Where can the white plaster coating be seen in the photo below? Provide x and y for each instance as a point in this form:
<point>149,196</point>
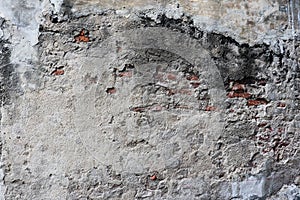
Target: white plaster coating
<point>57,5</point>
<point>248,188</point>
<point>24,17</point>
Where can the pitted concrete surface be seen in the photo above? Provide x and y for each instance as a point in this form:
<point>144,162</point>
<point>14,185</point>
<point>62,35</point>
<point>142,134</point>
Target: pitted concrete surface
<point>149,99</point>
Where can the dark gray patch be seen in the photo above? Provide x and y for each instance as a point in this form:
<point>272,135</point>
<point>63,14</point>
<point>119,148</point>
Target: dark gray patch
<point>234,60</point>
<point>67,6</point>
<point>7,78</point>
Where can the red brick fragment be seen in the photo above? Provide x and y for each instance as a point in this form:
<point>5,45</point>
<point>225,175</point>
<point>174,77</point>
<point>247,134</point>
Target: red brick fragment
<point>256,102</point>
<point>171,77</point>
<point>262,124</point>
<point>281,105</point>
<point>58,72</point>
<point>195,84</point>
<point>210,108</point>
<point>233,94</point>
<point>82,37</point>
<point>192,77</point>
<point>153,177</point>
<point>138,109</point>
<point>125,74</point>
<point>111,90</point>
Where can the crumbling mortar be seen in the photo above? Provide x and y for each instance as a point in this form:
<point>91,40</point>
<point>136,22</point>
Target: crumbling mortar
<point>246,55</point>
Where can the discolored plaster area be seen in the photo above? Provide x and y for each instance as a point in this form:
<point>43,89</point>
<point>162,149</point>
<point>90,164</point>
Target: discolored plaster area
<point>152,100</point>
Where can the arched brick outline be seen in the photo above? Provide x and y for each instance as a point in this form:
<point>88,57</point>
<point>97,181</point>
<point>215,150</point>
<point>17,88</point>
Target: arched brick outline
<point>101,103</point>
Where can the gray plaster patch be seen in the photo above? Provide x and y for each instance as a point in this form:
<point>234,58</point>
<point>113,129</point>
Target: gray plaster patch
<point>129,96</point>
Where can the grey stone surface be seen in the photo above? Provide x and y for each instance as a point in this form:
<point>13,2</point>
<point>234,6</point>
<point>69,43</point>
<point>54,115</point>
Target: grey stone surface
<point>149,99</point>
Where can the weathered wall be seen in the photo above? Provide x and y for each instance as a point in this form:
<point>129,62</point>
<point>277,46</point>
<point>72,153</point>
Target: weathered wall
<point>149,99</point>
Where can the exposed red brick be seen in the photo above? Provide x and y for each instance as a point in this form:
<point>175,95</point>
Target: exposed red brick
<point>111,90</point>
<point>171,77</point>
<point>281,105</point>
<point>138,109</point>
<point>239,87</point>
<point>58,72</point>
<point>262,124</point>
<point>210,108</point>
<point>233,94</point>
<point>153,177</point>
<point>256,102</point>
<point>245,95</point>
<point>125,74</point>
<point>195,84</point>
<point>192,78</point>
<point>82,37</point>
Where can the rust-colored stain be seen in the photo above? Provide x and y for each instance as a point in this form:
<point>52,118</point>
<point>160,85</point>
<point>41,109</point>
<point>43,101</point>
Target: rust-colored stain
<point>58,72</point>
<point>82,37</point>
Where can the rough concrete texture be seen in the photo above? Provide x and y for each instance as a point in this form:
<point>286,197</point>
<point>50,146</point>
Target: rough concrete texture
<point>144,99</point>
